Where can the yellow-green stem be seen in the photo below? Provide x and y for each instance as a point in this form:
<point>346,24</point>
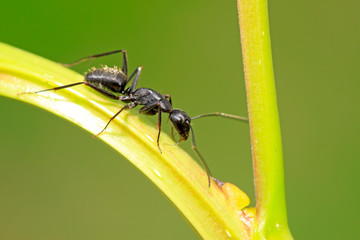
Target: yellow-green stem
<point>264,121</point>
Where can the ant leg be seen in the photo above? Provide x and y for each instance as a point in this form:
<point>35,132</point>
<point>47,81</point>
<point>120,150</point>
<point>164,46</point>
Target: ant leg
<point>221,115</point>
<point>136,73</point>
<point>193,145</point>
<point>147,108</point>
<point>128,106</point>
<point>100,55</point>
<point>124,66</point>
<point>103,92</point>
<point>172,133</point>
<point>50,89</point>
<point>174,145</point>
<point>168,97</point>
<point>159,124</point>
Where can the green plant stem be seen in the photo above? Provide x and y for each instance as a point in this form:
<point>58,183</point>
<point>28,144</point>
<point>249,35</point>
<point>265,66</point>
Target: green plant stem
<point>174,172</point>
<point>264,121</point>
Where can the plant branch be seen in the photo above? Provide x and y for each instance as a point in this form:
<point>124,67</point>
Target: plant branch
<point>264,121</point>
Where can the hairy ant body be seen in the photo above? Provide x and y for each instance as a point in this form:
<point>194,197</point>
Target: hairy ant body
<point>107,81</point>
<point>111,82</point>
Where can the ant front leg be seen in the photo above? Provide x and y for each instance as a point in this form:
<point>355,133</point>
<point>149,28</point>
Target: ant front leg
<point>124,67</point>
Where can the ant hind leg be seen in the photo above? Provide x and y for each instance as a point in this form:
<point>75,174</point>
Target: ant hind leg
<point>52,89</point>
<point>124,67</point>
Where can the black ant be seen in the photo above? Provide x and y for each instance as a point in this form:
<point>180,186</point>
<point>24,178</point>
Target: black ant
<point>111,82</point>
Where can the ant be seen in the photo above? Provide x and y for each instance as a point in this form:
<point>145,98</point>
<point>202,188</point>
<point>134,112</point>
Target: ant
<point>112,82</point>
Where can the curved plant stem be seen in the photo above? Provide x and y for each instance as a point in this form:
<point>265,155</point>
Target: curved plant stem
<point>173,171</point>
<point>264,121</point>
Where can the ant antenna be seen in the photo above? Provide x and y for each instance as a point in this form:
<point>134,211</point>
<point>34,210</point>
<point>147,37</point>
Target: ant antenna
<point>193,145</point>
<point>221,115</point>
<point>50,89</point>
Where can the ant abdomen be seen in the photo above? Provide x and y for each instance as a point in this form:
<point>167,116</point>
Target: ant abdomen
<point>108,79</point>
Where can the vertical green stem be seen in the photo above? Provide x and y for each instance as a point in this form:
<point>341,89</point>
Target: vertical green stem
<point>264,121</point>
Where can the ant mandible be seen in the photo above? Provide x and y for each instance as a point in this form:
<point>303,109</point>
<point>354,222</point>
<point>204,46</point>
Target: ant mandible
<point>111,82</point>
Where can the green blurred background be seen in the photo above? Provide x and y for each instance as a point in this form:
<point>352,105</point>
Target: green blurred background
<point>57,182</point>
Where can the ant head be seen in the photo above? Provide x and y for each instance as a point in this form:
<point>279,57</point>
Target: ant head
<point>181,122</point>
